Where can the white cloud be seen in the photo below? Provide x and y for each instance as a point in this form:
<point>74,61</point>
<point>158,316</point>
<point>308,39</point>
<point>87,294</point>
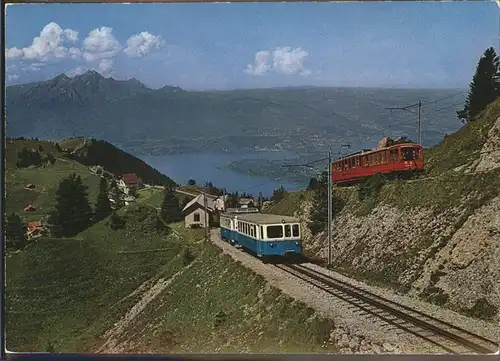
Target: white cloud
<point>283,60</point>
<point>140,45</point>
<point>49,45</point>
<point>100,44</point>
<point>79,70</point>
<point>105,66</point>
<point>12,77</point>
<point>13,53</point>
<point>260,65</point>
<point>34,67</point>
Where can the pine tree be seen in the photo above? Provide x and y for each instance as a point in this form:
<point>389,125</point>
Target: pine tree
<point>484,88</point>
<point>278,194</point>
<point>103,205</point>
<point>72,213</point>
<point>116,194</point>
<point>170,209</point>
<point>116,222</point>
<point>15,231</point>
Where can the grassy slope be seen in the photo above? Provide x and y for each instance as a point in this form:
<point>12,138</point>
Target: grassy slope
<point>443,185</point>
<point>219,306</point>
<point>46,179</point>
<point>68,291</point>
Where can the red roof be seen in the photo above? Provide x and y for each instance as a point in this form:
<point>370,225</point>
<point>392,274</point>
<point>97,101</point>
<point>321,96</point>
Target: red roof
<point>130,179</point>
<point>29,208</point>
<point>37,224</point>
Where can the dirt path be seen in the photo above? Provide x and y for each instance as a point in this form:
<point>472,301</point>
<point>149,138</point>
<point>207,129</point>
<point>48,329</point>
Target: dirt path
<point>150,290</point>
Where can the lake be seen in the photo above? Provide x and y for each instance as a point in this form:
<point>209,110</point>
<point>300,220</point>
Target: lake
<point>212,167</point>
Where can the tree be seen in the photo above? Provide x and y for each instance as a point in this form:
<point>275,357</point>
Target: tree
<point>27,157</point>
<point>319,213</point>
<point>103,205</point>
<point>185,202</point>
<point>192,182</point>
<point>484,88</point>
<point>170,209</point>
<point>116,222</point>
<point>50,158</point>
<point>232,201</point>
<point>278,194</point>
<point>116,195</point>
<point>72,212</point>
<point>313,184</point>
<point>15,231</point>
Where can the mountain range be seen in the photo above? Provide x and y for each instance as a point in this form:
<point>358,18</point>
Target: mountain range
<point>172,120</point>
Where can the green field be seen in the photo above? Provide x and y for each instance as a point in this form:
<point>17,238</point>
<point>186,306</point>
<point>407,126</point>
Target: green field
<point>69,291</point>
<point>46,180</point>
<point>219,306</point>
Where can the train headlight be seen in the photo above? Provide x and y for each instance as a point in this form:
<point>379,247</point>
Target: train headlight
<point>297,243</point>
<point>271,245</point>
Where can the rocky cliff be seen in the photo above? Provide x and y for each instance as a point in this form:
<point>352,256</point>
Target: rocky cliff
<point>437,237</point>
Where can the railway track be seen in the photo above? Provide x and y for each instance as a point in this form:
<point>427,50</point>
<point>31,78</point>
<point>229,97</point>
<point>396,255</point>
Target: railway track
<point>446,336</point>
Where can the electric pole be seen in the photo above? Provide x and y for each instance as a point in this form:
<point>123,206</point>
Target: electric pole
<point>419,122</point>
<point>206,212</point>
<point>329,207</point>
<point>329,196</point>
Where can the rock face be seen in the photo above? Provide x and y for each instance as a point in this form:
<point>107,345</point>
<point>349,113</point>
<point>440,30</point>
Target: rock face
<point>490,153</point>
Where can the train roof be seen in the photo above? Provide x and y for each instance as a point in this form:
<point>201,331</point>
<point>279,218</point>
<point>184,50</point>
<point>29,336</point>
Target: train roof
<point>264,218</point>
<point>367,151</point>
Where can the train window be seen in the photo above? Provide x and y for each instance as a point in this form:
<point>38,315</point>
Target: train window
<point>261,232</point>
<point>295,228</point>
<point>288,231</point>
<point>352,163</point>
<point>408,153</point>
<point>384,157</point>
<point>274,231</point>
<point>357,161</point>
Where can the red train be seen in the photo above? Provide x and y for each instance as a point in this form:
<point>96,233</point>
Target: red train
<point>401,160</point>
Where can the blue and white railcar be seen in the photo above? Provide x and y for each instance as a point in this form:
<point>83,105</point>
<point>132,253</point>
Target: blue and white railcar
<point>267,234</point>
<point>228,225</point>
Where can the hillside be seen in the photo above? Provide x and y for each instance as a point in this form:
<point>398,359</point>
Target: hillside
<point>46,177</point>
<point>434,238</point>
<point>135,289</point>
<point>116,161</point>
<point>138,289</point>
<point>169,119</point>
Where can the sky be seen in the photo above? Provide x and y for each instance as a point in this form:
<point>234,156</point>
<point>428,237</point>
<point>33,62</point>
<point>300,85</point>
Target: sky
<point>201,46</point>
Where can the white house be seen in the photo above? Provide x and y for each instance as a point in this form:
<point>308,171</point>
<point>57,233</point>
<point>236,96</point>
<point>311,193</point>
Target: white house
<point>196,214</point>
